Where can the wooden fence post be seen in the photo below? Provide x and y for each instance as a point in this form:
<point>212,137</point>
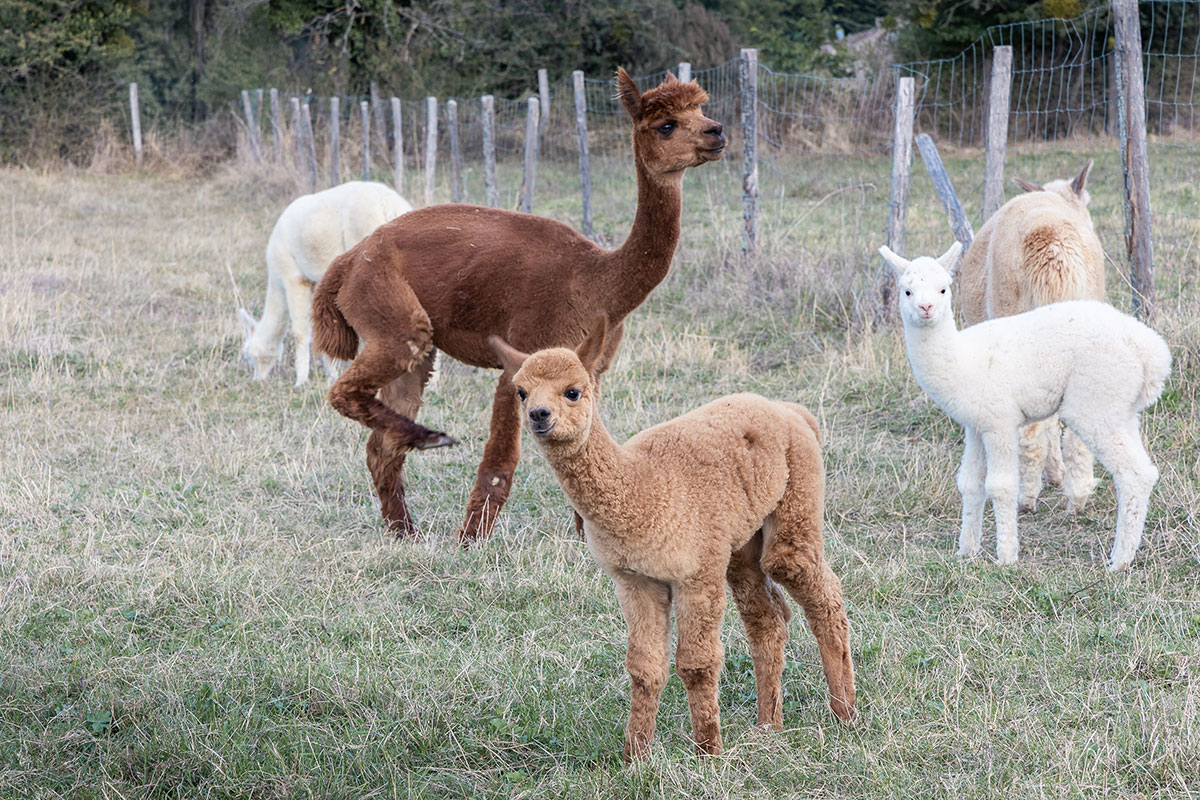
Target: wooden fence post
<point>258,112</point>
<point>456,187</point>
<point>251,126</point>
<point>297,134</point>
<point>380,121</point>
<point>585,168</point>
<point>997,130</point>
<point>685,71</point>
<point>397,146</point>
<point>276,127</point>
<point>135,117</point>
<point>335,126</point>
<point>431,123</point>
<point>310,146</point>
<point>364,113</point>
<point>902,140</point>
<point>529,165</point>
<point>544,95</point>
<point>1131,113</point>
<point>941,182</point>
<point>488,120</point>
<point>748,72</point>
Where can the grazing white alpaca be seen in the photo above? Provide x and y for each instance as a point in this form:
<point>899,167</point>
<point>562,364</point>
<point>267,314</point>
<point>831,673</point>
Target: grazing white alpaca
<point>1038,248</point>
<point>310,233</point>
<point>1094,366</point>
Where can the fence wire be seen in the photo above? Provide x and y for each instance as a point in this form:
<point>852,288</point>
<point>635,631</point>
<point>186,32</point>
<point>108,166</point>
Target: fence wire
<point>824,143</point>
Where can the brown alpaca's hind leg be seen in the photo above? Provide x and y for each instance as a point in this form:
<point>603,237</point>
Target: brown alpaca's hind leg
<point>765,613</point>
<point>794,557</point>
<point>494,479</point>
<point>386,453</point>
<point>646,605</point>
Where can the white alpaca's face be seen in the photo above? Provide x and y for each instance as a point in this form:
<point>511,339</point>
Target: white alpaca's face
<point>924,286</point>
<point>261,356</point>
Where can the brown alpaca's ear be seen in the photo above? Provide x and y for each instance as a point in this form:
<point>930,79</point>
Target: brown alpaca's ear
<point>627,90</point>
<point>510,357</point>
<point>591,349</point>
<point>1026,185</point>
<point>670,78</point>
<point>1080,182</point>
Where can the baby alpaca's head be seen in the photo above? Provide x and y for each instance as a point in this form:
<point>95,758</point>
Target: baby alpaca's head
<point>260,354</point>
<point>557,386</point>
<point>924,285</point>
<point>1073,191</point>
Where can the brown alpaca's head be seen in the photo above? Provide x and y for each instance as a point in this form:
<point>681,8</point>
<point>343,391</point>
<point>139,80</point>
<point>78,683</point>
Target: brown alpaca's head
<point>670,131</point>
<point>557,386</point>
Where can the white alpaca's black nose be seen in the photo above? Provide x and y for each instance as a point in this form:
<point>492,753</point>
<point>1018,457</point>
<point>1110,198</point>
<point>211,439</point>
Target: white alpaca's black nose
<point>539,414</point>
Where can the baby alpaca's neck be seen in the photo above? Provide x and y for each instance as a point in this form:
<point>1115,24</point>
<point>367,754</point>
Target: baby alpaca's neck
<point>937,359</point>
<point>602,480</point>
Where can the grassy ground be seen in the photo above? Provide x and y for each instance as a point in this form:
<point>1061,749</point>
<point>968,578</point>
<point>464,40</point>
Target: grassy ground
<point>197,598</point>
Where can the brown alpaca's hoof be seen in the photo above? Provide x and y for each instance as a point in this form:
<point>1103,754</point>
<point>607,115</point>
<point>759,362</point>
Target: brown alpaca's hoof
<point>841,709</point>
<point>405,528</point>
<point>432,440</point>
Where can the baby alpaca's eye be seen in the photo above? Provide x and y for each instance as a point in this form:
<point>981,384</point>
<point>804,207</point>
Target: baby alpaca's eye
<point>521,393</point>
<point>571,394</point>
<point>943,291</point>
<point>907,293</point>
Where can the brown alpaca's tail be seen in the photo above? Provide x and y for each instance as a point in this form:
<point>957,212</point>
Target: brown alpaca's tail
<point>332,334</point>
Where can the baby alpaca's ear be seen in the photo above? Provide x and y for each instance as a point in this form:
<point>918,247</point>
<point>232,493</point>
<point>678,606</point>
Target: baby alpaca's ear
<point>899,265</point>
<point>591,349</point>
<point>949,259</point>
<point>510,357</point>
<point>248,322</point>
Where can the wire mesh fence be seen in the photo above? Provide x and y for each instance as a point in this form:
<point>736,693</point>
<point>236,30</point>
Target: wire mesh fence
<point>824,144</point>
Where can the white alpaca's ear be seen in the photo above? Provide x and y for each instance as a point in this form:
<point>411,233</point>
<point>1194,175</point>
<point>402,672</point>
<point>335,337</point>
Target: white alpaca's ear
<point>898,264</point>
<point>248,322</point>
<point>1080,183</point>
<point>627,90</point>
<point>591,349</point>
<point>949,259</point>
<point>510,357</point>
<point>1026,185</point>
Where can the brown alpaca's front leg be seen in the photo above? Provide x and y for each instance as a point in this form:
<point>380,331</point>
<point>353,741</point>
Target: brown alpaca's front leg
<point>699,608</point>
<point>646,605</point>
<point>493,481</point>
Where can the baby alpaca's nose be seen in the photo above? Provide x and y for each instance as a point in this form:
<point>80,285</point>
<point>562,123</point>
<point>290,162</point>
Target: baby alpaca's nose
<point>539,414</point>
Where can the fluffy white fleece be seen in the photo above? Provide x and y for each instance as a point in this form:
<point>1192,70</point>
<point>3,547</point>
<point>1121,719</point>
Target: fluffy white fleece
<point>1094,366</point>
<point>312,231</point>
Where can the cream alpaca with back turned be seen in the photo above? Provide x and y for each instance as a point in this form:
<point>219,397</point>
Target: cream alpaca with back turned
<point>730,492</point>
<point>1094,366</point>
<point>1038,248</point>
<point>312,231</point>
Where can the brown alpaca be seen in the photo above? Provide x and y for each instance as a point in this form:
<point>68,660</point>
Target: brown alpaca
<point>732,491</point>
<point>1039,248</point>
<point>450,276</point>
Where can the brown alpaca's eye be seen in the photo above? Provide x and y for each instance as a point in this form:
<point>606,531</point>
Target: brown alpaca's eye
<point>666,128</point>
<point>571,394</point>
<point>522,394</point>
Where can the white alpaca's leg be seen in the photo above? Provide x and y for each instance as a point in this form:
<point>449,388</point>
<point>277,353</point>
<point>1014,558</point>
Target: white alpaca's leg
<point>299,300</point>
<point>1002,481</point>
<point>1034,448</point>
<point>1079,480</point>
<point>971,475</point>
<point>1119,448</point>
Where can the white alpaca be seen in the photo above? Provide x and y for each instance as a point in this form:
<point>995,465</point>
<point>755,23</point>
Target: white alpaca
<point>310,233</point>
<point>1038,248</point>
<point>1094,366</point>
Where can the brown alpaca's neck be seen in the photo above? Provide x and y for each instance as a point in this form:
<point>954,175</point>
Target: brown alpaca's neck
<point>643,261</point>
<point>600,478</point>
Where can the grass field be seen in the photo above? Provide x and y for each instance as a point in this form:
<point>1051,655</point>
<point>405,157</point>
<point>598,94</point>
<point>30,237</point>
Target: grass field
<point>197,598</point>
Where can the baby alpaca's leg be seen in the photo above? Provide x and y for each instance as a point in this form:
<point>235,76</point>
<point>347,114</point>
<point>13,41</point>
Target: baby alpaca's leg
<point>765,613</point>
<point>971,475</point>
<point>646,605</point>
<point>1001,485</point>
<point>1079,479</point>
<point>1034,449</point>
<point>699,608</point>
<point>1120,450</point>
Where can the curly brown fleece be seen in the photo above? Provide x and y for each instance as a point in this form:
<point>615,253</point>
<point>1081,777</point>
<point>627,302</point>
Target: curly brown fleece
<point>730,492</point>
